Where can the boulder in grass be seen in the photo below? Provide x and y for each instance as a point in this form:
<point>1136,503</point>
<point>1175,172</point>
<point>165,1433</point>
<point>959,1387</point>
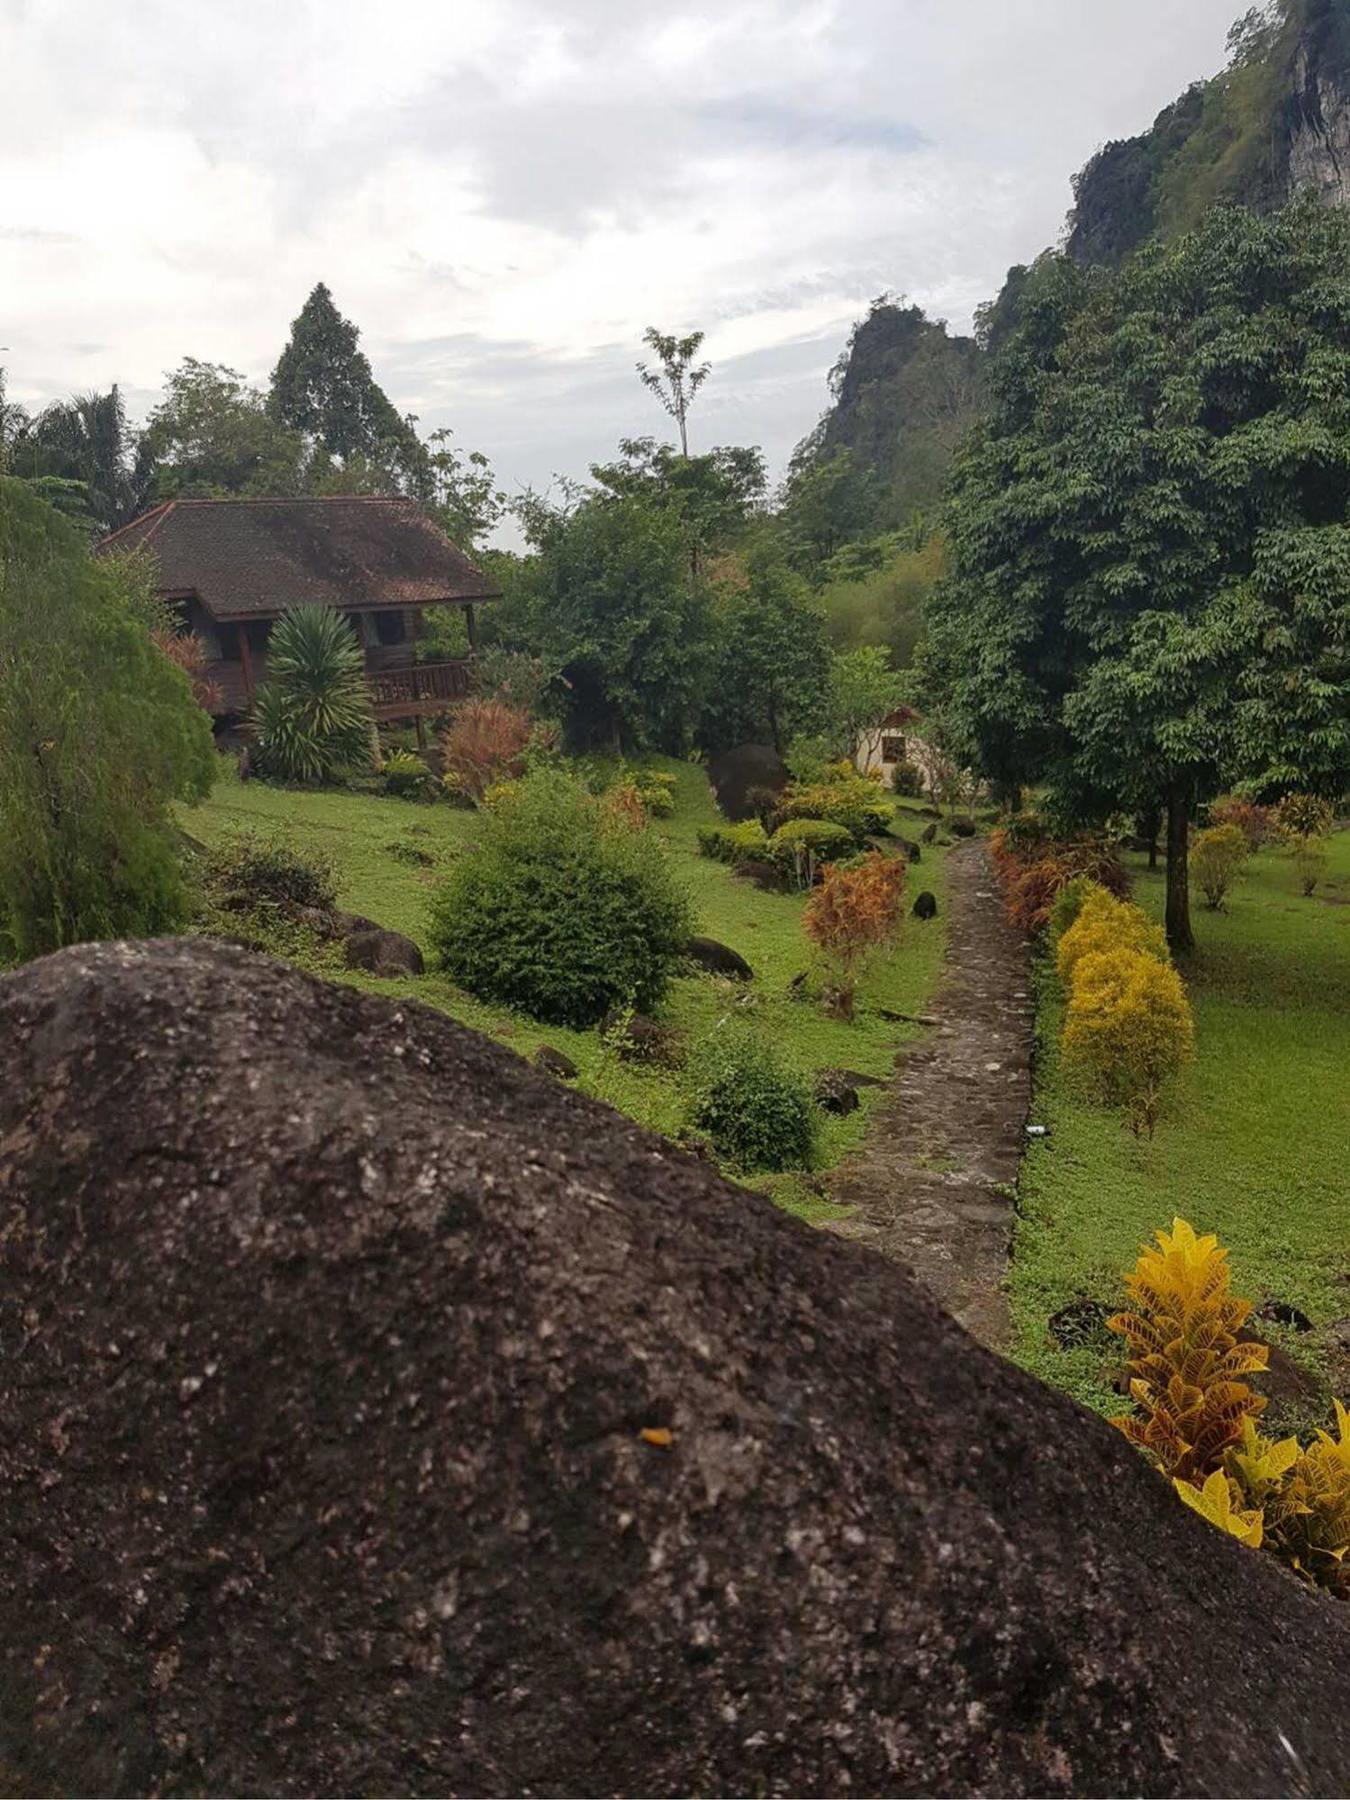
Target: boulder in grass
<point>554,1062</point>
<point>742,778</point>
<point>381,1416</point>
<point>383,952</point>
<point>925,906</point>
<point>639,1039</point>
<point>718,959</point>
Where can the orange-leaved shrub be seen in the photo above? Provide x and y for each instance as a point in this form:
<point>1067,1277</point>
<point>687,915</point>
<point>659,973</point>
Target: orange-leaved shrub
<point>1302,816</point>
<point>1215,859</point>
<point>853,913</point>
<point>484,744</point>
<point>186,651</point>
<point>1033,870</point>
<point>1256,823</point>
<point>1195,1416</point>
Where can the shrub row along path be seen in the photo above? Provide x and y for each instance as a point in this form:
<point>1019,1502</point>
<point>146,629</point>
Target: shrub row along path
<point>932,1185</point>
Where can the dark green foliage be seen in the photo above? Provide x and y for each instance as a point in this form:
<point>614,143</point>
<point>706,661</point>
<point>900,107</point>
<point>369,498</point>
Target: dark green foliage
<point>713,495</point>
<point>79,455</point>
<point>759,1113</point>
<point>562,910</point>
<point>1150,590</point>
<point>406,775</point>
<point>254,869</point>
<point>323,387</point>
<point>735,843</point>
<point>608,602</point>
<point>770,659</point>
<point>313,720</point>
<point>99,733</point>
<point>212,435</point>
<point>813,841</point>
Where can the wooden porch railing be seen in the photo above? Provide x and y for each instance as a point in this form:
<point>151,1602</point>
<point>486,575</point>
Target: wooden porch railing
<point>420,688</point>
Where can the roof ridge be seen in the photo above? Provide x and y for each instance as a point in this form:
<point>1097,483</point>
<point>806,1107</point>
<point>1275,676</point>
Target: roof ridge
<point>289,500</point>
<point>157,513</point>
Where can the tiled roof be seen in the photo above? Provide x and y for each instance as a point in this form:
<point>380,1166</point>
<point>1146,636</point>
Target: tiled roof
<point>254,558</point>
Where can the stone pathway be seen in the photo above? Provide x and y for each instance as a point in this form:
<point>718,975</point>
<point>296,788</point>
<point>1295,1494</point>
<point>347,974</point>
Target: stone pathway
<point>933,1184</point>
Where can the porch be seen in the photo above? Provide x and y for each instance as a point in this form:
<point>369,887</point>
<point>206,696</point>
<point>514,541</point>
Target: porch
<point>406,690</point>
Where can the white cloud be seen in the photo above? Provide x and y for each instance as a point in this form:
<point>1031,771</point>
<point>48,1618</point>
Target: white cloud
<point>503,193</point>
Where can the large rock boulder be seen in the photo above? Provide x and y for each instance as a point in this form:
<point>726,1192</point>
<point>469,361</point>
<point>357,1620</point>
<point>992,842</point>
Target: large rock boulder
<point>718,959</point>
<point>383,952</point>
<point>377,1415</point>
<point>742,777</point>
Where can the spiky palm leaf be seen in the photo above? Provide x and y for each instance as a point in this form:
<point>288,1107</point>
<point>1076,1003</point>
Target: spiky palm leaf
<point>313,719</point>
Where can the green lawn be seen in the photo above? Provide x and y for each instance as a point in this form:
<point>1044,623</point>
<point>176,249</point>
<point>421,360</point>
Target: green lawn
<point>370,841</point>
<point>1254,1144</point>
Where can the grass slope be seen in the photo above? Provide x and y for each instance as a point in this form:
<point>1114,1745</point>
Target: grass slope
<point>372,842</point>
<point>1254,1142</point>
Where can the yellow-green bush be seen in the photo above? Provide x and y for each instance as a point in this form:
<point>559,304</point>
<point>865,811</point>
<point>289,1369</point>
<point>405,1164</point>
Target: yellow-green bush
<point>1195,1417</point>
<point>1106,923</point>
<point>1128,1029</point>
<point>1216,856</point>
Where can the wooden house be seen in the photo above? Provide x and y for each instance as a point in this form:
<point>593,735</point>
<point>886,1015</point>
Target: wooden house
<point>232,567</point>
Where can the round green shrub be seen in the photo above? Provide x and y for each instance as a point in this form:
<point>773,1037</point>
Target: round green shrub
<point>563,910</point>
<point>406,776</point>
<point>759,1113</point>
<point>825,842</point>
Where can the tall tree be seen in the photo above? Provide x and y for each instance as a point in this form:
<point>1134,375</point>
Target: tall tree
<point>323,386</point>
<point>1150,589</point>
<point>212,435</point>
<point>606,599</point>
<point>714,495</point>
<point>99,733</point>
<point>81,455</point>
<point>770,654</point>
<point>678,378</point>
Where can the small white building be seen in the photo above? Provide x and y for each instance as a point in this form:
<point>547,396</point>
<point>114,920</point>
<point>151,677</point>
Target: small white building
<point>887,744</point>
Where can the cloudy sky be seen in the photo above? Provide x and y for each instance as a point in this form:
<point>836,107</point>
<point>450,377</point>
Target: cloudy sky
<point>503,193</point>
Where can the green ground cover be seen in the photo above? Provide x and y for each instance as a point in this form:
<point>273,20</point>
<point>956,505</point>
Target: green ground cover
<point>1254,1142</point>
<point>374,844</point>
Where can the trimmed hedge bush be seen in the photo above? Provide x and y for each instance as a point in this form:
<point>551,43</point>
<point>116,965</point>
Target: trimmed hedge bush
<point>822,840</point>
<point>759,1113</point>
<point>562,911</point>
<point>854,802</point>
<point>735,843</point>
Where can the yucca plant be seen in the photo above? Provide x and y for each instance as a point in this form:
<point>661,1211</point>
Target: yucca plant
<point>1186,1356</point>
<point>313,720</point>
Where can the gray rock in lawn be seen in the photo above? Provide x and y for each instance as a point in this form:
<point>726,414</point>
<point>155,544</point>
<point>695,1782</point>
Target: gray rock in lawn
<point>837,1090</point>
<point>383,952</point>
<point>554,1062</point>
<point>834,1094</point>
<point>929,834</point>
<point>925,906</point>
<point>718,959</point>
<point>912,851</point>
<point>381,1416</point>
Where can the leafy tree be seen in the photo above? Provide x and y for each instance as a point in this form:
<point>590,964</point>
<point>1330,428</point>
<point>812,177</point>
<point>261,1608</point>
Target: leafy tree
<point>80,454</point>
<point>323,387</point>
<point>714,496</point>
<point>212,435</point>
<point>607,601</point>
<point>99,733</point>
<point>679,377</point>
<point>313,719</point>
<point>873,592</point>
<point>864,690</point>
<point>825,501</point>
<point>1150,537</point>
<point>770,659</point>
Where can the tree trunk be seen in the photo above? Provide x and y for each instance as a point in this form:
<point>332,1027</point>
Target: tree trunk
<point>1150,824</point>
<point>1180,937</point>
